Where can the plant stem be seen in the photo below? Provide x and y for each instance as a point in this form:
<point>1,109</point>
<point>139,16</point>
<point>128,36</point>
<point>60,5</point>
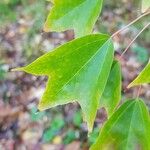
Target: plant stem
<point>139,91</point>
<point>134,39</point>
<point>143,15</point>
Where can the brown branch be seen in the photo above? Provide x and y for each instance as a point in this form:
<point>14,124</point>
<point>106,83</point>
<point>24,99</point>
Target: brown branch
<point>143,15</point>
<point>134,40</point>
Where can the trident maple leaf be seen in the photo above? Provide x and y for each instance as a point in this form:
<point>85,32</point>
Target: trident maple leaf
<point>77,71</point>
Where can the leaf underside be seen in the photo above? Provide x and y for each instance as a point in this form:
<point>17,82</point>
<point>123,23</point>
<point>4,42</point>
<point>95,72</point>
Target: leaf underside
<point>79,15</point>
<point>142,78</point>
<point>77,71</point>
<point>127,129</point>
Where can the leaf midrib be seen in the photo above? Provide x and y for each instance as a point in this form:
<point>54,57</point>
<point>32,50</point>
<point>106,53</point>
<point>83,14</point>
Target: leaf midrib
<point>119,116</point>
<point>128,135</point>
<point>71,52</point>
<point>81,67</point>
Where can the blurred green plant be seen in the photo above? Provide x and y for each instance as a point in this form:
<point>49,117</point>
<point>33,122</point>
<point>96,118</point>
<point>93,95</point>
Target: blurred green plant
<point>2,71</point>
<point>7,11</point>
<point>33,12</point>
<point>69,137</point>
<point>93,136</point>
<point>141,53</point>
<point>36,12</point>
<point>55,126</point>
<point>36,116</point>
<point>77,119</point>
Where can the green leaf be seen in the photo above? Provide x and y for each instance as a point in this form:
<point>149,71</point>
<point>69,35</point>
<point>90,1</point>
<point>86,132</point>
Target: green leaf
<point>112,93</point>
<point>77,71</point>
<point>142,78</point>
<point>127,129</point>
<point>79,15</point>
<point>145,5</point>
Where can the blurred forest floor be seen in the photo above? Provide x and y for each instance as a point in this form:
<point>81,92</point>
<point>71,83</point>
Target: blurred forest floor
<point>22,40</point>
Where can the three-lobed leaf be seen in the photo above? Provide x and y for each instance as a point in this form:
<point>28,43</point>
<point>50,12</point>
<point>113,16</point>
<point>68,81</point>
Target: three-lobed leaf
<point>79,15</point>
<point>127,129</point>
<point>77,71</point>
<point>145,5</point>
<point>112,93</point>
<point>142,78</point>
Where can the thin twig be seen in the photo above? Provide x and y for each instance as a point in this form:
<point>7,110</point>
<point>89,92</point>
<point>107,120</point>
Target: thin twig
<point>134,40</point>
<point>143,15</point>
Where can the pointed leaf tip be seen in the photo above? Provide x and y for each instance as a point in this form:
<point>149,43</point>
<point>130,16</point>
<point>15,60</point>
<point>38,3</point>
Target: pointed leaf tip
<point>40,108</point>
<point>46,28</point>
<point>142,78</point>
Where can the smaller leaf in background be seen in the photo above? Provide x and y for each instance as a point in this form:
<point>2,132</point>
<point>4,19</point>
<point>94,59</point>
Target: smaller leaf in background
<point>77,119</point>
<point>142,78</point>
<point>79,15</point>
<point>145,5</point>
<point>141,53</point>
<point>112,93</point>
<point>127,129</point>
